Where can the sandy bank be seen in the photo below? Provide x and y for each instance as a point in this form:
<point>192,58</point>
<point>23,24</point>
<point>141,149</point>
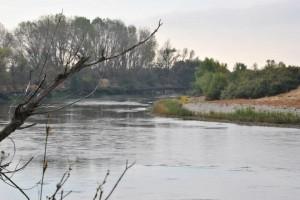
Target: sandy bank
<point>207,107</point>
<point>286,102</point>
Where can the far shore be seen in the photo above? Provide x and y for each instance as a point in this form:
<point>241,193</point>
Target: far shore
<point>203,119</point>
<point>229,111</point>
<point>207,107</point>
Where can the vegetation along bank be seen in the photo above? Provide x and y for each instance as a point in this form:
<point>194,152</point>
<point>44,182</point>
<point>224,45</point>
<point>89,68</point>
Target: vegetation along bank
<point>234,111</point>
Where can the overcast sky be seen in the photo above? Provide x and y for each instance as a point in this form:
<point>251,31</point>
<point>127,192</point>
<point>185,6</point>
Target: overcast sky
<point>231,31</point>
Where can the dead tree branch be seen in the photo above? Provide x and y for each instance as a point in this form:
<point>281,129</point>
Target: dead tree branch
<point>26,109</point>
<point>15,185</point>
<point>99,190</point>
<point>127,167</point>
<point>6,174</point>
<point>45,163</point>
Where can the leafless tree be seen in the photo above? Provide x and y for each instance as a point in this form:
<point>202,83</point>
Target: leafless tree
<point>60,48</point>
<point>167,55</point>
<point>71,58</point>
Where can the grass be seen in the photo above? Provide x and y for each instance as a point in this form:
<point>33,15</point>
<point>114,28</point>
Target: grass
<point>173,107</point>
<point>251,115</point>
<point>170,107</point>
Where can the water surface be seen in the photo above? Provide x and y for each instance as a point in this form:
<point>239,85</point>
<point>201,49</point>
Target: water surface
<point>175,159</point>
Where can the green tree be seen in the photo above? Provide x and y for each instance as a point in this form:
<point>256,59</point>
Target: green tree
<point>212,84</point>
<point>211,78</point>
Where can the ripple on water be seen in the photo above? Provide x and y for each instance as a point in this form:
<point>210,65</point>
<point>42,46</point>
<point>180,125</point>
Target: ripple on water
<point>109,103</point>
<point>178,159</point>
<point>129,110</point>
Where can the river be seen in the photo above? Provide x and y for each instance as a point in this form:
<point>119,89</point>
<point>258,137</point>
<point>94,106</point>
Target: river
<point>175,159</point>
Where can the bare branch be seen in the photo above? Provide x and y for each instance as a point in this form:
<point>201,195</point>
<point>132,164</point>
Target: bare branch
<point>60,184</point>
<point>29,107</point>
<point>73,55</point>
<point>28,126</point>
<point>4,171</point>
<point>15,185</point>
<point>100,187</point>
<point>52,39</point>
<point>63,196</point>
<point>29,83</point>
<point>120,178</point>
<point>103,58</point>
<point>20,168</point>
<point>36,90</point>
<point>5,165</point>
<point>45,165</point>
<point>67,105</point>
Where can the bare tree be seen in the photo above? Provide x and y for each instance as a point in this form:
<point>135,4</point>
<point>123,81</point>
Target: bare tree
<point>57,50</point>
<point>167,55</point>
<point>72,58</point>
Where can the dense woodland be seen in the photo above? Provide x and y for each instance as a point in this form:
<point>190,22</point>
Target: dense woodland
<point>50,42</point>
<point>148,66</point>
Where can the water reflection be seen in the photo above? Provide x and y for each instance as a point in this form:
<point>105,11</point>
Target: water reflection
<point>176,159</point>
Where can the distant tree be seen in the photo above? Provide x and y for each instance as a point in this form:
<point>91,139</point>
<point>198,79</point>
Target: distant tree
<point>273,79</point>
<point>210,65</point>
<point>239,67</point>
<point>208,73</point>
<point>192,55</point>
<point>184,54</point>
<point>4,56</point>
<point>167,55</point>
<point>6,42</point>
<point>212,84</point>
<point>270,63</point>
<point>6,38</point>
<point>184,73</point>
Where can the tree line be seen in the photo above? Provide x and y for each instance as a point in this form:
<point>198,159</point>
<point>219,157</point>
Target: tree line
<point>47,44</point>
<point>215,81</point>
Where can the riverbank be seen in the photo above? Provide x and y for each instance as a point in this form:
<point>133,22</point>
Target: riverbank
<point>236,113</point>
<point>102,92</point>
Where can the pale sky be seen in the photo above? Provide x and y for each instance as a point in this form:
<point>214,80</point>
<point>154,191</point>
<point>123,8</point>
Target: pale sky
<point>231,31</point>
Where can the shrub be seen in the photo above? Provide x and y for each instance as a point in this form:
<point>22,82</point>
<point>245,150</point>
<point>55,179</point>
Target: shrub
<point>171,107</point>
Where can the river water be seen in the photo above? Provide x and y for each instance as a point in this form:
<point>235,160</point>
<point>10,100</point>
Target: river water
<point>175,159</point>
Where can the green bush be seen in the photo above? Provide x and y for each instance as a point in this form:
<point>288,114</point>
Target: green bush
<point>170,107</point>
<point>273,79</point>
<point>211,78</point>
